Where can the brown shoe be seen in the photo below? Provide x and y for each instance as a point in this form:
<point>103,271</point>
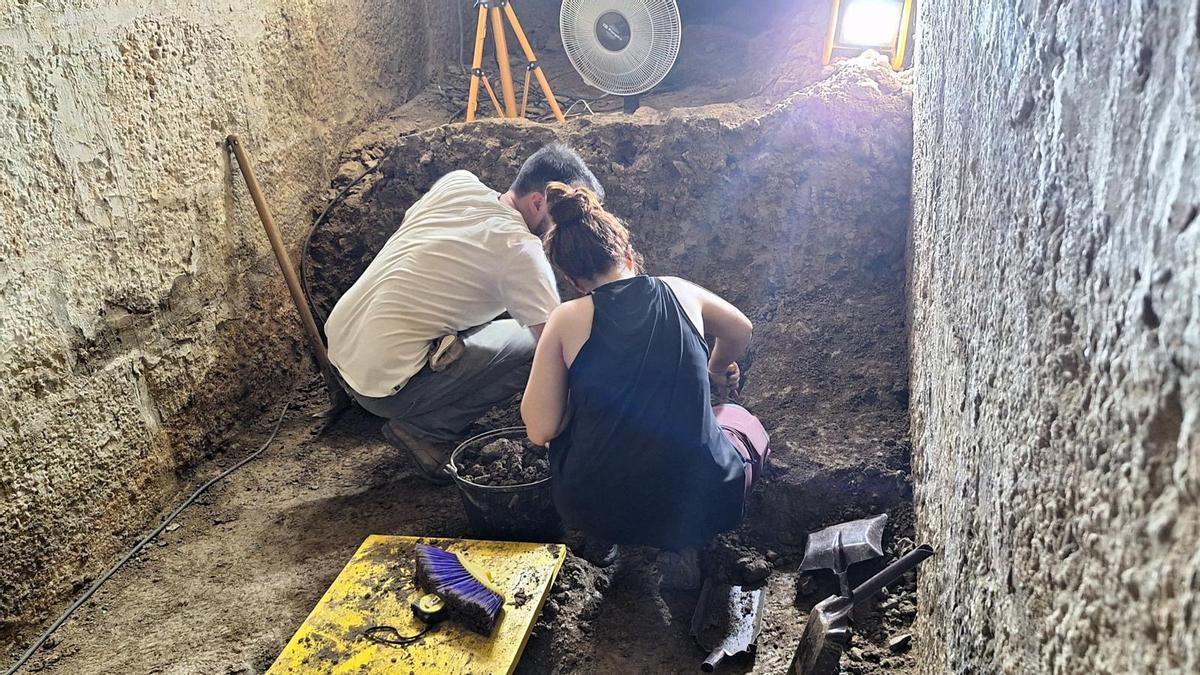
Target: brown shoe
<point>429,459</point>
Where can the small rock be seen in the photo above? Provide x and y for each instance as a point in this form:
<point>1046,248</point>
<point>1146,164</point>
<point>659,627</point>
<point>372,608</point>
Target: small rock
<point>856,654</point>
<point>550,610</point>
<point>172,527</point>
<point>772,556</point>
<point>900,642</point>
<point>348,172</point>
<point>754,570</point>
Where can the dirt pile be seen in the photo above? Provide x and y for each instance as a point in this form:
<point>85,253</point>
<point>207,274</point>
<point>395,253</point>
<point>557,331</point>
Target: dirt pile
<point>505,461</point>
<point>731,560</point>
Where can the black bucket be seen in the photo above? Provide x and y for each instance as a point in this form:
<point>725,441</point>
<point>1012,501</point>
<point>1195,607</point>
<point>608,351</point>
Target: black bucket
<point>507,512</point>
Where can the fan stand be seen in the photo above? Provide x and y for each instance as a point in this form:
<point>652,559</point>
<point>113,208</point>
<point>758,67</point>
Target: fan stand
<point>492,8</point>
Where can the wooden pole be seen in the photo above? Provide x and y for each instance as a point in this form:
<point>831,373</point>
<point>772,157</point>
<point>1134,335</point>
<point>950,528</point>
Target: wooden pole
<point>831,37</point>
<point>337,396</point>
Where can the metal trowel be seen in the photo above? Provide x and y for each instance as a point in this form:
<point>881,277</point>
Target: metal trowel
<point>837,547</point>
<point>727,621</point>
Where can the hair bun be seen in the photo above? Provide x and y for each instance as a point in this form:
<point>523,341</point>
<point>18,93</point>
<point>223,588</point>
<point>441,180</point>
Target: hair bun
<point>568,204</point>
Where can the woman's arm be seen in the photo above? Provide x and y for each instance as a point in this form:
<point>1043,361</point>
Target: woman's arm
<point>544,405</point>
<point>730,329</point>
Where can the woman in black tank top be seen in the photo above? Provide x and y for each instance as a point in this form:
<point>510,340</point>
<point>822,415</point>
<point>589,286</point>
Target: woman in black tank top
<point>620,389</point>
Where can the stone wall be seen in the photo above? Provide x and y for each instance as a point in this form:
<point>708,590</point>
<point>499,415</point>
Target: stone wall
<point>1055,335</point>
<point>141,313</point>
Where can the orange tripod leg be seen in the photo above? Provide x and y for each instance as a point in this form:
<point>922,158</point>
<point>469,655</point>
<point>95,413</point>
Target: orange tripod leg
<point>537,69</point>
<point>506,81</point>
<point>492,95</point>
<point>477,64</point>
<point>525,93</point>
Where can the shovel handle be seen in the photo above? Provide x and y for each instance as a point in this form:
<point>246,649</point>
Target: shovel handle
<point>710,664</point>
<point>891,573</point>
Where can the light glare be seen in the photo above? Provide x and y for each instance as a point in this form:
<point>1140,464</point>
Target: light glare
<point>871,23</point>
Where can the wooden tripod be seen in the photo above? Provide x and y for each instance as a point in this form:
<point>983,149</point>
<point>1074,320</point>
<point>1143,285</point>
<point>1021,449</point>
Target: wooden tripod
<point>492,8</point>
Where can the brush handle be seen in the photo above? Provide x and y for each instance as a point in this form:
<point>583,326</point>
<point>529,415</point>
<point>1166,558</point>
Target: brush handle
<point>891,573</point>
<point>710,664</point>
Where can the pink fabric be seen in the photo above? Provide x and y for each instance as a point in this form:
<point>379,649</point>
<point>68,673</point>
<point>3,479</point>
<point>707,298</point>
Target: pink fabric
<point>748,437</point>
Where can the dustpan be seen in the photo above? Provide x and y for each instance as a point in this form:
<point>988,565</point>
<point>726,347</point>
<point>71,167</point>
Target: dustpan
<point>376,588</point>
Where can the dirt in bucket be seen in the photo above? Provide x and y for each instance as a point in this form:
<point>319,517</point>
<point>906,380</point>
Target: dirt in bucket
<point>505,461</point>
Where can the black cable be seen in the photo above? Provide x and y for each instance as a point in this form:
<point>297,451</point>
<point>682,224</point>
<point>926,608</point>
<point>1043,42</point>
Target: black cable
<point>312,306</point>
<point>141,544</point>
<point>462,62</point>
<point>388,635</point>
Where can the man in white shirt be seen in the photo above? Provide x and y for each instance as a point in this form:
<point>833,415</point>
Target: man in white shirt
<point>464,255</point>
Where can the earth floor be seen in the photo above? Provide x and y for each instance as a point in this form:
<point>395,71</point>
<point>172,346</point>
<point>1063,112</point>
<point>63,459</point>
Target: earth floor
<point>223,589</point>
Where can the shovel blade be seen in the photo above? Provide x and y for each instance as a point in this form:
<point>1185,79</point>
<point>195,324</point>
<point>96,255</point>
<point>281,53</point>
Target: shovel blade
<point>826,636</point>
<point>727,621</point>
<point>839,546</point>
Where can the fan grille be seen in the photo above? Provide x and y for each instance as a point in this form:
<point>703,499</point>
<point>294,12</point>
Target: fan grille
<point>654,32</point>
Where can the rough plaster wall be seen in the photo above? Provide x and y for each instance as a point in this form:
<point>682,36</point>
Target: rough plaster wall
<point>141,314</point>
<point>1055,294</point>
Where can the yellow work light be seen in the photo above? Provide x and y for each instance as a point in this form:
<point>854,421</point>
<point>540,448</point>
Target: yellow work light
<point>858,25</point>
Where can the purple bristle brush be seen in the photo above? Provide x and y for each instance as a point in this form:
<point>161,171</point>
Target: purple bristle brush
<point>469,594</point>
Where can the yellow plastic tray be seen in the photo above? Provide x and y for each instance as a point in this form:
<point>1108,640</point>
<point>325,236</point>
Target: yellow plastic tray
<point>376,588</point>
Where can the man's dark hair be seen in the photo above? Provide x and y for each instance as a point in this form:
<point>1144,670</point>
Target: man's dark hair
<point>554,162</point>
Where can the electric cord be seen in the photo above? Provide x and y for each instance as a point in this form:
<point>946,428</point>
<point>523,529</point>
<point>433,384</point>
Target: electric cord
<point>304,252</point>
<point>462,59</point>
<point>141,544</point>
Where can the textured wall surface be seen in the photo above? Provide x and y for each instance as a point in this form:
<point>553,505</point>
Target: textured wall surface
<point>1055,294</point>
<point>141,313</point>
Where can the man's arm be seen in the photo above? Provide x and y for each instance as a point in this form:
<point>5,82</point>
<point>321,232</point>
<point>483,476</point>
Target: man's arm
<point>527,287</point>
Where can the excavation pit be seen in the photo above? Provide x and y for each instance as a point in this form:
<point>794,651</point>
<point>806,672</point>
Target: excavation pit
<point>794,208</point>
<point>796,214</point>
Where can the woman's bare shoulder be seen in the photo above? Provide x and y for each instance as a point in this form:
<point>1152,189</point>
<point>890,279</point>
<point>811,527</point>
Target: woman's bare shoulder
<point>682,287</point>
<point>572,311</point>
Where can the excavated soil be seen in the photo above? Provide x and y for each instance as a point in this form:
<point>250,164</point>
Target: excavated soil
<point>224,590</point>
<point>504,461</point>
<point>796,214</point>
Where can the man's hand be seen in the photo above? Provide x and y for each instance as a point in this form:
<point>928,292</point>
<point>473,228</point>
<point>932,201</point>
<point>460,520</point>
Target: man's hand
<point>724,384</point>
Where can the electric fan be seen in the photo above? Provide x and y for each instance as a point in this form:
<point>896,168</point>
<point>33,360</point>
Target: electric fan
<point>622,47</point>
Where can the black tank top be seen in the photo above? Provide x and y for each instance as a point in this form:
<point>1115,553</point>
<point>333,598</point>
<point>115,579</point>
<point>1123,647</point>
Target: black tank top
<point>642,460</point>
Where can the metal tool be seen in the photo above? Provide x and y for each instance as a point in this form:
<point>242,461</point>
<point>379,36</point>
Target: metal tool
<point>727,621</point>
<point>837,547</point>
<point>339,400</point>
<point>827,632</point>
